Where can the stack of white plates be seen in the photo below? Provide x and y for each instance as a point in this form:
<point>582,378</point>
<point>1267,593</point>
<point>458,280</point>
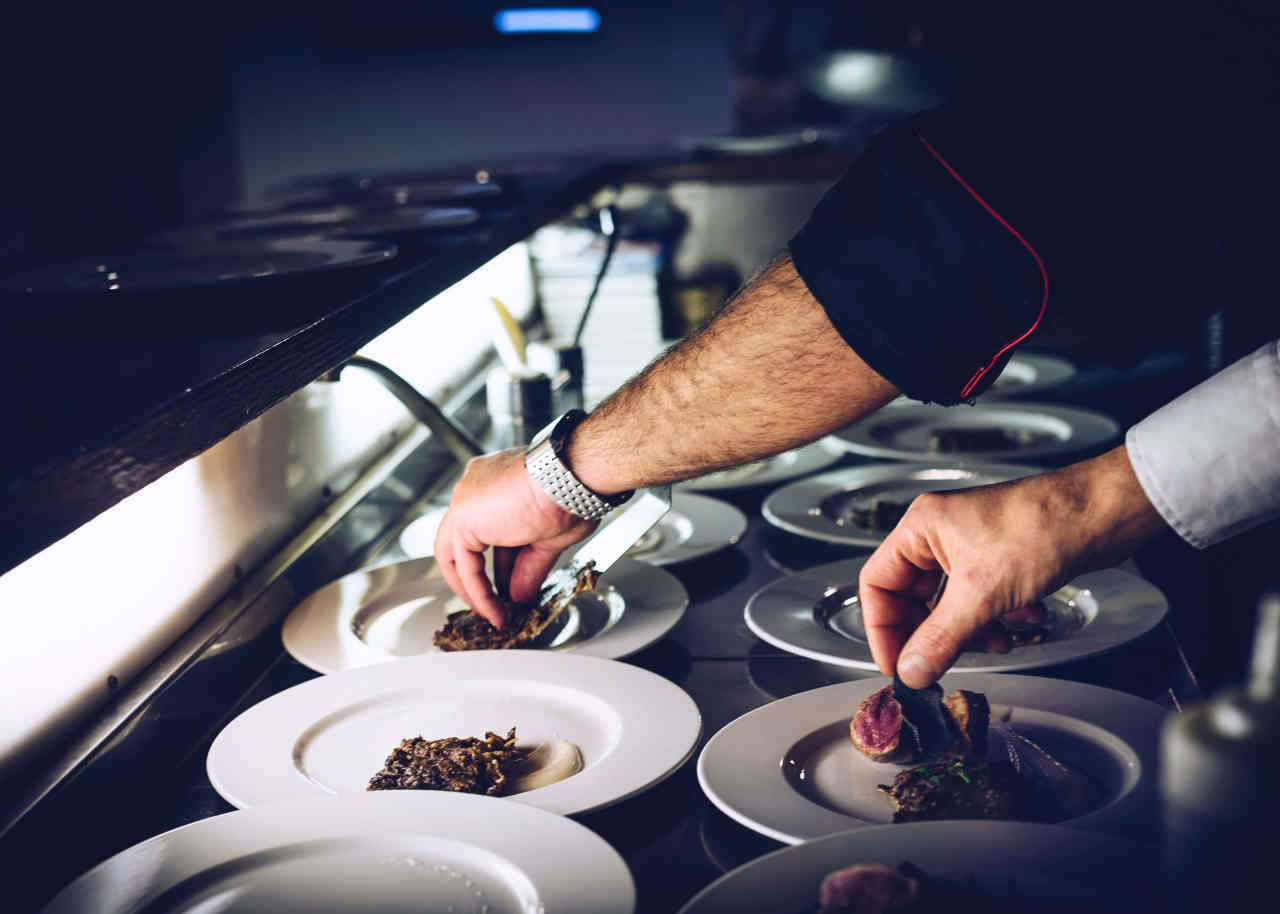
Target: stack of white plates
<point>624,332</point>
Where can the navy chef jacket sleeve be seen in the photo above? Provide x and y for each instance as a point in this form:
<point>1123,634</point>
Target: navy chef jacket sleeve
<point>921,275</point>
<point>935,253</point>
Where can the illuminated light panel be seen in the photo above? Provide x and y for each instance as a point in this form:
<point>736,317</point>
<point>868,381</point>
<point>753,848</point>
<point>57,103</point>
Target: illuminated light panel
<point>124,585</point>
<point>857,73</point>
<point>561,19</point>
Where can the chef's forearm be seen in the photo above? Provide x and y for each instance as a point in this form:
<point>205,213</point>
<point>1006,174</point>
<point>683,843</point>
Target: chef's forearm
<point>767,374</point>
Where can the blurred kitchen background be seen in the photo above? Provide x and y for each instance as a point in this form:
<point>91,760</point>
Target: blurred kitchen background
<point>133,118</point>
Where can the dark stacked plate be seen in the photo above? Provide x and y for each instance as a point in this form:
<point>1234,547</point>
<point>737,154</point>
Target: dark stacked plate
<point>234,287</point>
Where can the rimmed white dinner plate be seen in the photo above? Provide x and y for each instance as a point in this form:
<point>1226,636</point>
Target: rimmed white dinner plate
<point>409,851</point>
<point>331,734</point>
<point>1046,431</point>
<point>1029,373</point>
<point>695,527</point>
<point>1026,374</point>
<point>392,611</point>
<point>1043,863</point>
<point>772,470</point>
<point>789,771</point>
<point>419,538</point>
<point>824,507</point>
<point>816,614</point>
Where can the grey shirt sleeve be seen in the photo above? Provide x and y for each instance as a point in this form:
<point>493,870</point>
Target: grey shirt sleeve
<point>1210,460</point>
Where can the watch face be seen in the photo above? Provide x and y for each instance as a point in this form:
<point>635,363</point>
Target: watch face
<point>563,427</point>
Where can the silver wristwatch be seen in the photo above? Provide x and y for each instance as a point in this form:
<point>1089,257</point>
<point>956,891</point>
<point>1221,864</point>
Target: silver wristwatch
<point>546,464</point>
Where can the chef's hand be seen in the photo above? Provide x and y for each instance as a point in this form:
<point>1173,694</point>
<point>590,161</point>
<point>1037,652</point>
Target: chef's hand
<point>1002,548</point>
<point>497,503</point>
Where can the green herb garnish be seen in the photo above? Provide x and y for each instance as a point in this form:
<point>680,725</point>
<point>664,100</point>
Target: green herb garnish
<point>957,767</point>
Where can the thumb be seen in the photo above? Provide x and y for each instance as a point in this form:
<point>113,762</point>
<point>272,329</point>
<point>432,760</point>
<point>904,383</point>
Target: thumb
<point>934,646</point>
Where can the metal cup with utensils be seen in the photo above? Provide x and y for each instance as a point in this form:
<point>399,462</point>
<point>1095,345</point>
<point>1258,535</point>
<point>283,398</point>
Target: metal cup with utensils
<point>520,404</point>
<point>560,360</point>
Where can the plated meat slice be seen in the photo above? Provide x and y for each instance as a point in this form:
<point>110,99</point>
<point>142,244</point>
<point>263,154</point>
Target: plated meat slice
<point>904,726</point>
<point>880,732</point>
<point>875,888</point>
<point>467,765</point>
<point>868,888</point>
<point>907,726</point>
<point>970,716</point>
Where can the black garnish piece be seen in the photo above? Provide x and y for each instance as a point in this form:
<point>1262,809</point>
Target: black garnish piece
<point>929,720</point>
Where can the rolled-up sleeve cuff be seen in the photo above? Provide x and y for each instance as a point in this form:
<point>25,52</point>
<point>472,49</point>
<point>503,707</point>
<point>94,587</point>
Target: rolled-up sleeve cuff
<point>1210,460</point>
<point>929,286</point>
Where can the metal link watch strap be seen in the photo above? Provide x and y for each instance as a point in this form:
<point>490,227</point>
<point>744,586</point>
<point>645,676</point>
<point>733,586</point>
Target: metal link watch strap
<point>543,463</point>
<point>563,487</point>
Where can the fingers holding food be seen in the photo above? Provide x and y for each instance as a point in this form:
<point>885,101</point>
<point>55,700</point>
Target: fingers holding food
<point>470,570</point>
<point>944,634</point>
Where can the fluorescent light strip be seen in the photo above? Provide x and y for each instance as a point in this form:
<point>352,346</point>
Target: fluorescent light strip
<point>564,19</point>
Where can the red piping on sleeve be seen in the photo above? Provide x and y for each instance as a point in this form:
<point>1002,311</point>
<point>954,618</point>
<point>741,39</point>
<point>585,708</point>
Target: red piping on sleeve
<point>1044,302</point>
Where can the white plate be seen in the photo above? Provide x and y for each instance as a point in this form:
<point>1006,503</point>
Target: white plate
<point>419,538</point>
<point>772,470</point>
<point>696,526</point>
<point>1048,863</point>
<point>902,433</point>
<point>816,614</point>
<point>789,771</point>
<point>1031,373</point>
<point>331,734</point>
<point>813,507</point>
<point>402,852</point>
<point>391,611</point>
<point>1026,374</point>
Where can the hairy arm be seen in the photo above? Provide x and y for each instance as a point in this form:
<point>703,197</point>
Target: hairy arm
<point>769,372</point>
